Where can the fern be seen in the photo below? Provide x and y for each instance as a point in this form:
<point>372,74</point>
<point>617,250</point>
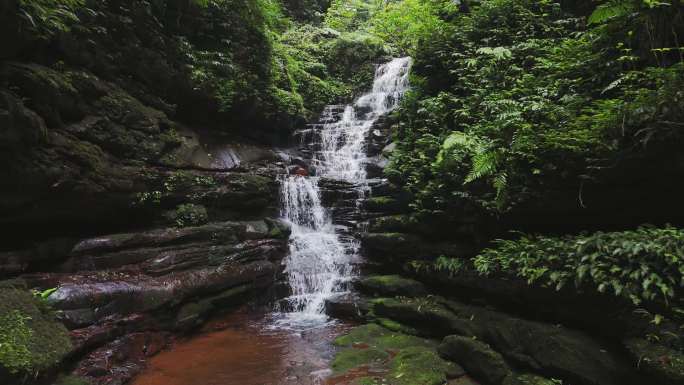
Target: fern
<point>484,163</point>
<point>50,16</point>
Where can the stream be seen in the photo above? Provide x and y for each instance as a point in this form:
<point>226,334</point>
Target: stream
<point>293,343</point>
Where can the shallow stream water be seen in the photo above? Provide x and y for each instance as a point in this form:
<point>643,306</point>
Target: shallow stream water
<point>244,348</point>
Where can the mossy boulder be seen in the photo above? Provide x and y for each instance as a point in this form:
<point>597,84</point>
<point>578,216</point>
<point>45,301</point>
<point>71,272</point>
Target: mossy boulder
<point>477,358</point>
<point>394,357</point>
<point>420,365</point>
<point>31,339</point>
<point>382,338</point>
<point>391,286</point>
<point>569,354</point>
<point>427,315</point>
<point>352,357</point>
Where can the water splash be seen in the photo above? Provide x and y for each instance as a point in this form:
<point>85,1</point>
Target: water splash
<point>318,265</point>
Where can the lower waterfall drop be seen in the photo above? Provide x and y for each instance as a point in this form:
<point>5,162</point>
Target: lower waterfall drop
<point>319,262</point>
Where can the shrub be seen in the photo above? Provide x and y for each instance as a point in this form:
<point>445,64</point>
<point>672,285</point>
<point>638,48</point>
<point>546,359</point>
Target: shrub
<point>645,264</point>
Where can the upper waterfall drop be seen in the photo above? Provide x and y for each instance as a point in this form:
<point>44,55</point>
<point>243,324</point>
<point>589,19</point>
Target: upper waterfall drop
<point>343,155</point>
<point>318,265</point>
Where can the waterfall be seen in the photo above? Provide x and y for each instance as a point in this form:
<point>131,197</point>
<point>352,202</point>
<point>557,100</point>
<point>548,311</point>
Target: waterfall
<point>318,264</point>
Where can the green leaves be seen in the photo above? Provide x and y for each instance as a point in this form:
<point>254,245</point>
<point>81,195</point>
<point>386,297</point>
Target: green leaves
<point>640,265</point>
<point>612,9</point>
<point>50,16</point>
<point>498,53</point>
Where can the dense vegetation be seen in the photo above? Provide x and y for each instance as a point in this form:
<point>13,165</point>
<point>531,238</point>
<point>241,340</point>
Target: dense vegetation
<point>515,97</point>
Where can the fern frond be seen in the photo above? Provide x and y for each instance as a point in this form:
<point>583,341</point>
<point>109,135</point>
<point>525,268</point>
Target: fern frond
<point>484,163</point>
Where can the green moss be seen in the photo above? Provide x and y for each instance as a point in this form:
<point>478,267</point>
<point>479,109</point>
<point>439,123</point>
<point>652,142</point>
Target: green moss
<point>367,381</point>
<point>71,380</point>
<point>412,360</point>
<point>379,337</point>
<point>190,215</point>
<point>419,365</point>
<point>31,340</point>
<point>392,285</point>
<point>396,326</point>
<point>352,357</point>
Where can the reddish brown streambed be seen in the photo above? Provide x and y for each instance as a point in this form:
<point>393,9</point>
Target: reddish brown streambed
<point>242,349</point>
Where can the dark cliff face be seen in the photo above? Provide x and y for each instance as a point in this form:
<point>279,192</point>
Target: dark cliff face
<point>96,117</point>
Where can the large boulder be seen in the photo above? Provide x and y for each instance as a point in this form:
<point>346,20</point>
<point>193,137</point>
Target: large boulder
<point>477,358</point>
<point>31,338</point>
<point>549,349</point>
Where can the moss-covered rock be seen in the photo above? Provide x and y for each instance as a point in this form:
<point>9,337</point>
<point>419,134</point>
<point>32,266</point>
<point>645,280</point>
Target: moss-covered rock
<point>420,365</point>
<point>382,338</point>
<point>351,358</point>
<point>391,285</point>
<point>477,358</point>
<point>31,340</point>
<point>394,357</point>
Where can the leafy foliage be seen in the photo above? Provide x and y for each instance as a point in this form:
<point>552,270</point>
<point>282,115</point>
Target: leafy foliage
<point>50,16</point>
<point>642,265</point>
<point>31,339</point>
<point>518,95</point>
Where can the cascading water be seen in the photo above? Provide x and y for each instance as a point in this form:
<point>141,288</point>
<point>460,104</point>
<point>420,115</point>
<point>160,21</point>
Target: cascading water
<point>318,264</point>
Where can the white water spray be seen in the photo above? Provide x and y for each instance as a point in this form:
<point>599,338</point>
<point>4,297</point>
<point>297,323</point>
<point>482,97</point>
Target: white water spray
<point>318,264</point>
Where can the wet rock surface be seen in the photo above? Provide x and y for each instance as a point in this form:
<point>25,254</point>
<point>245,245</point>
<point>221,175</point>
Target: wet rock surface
<point>123,296</point>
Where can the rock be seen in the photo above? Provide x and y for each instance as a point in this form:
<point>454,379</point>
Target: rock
<point>528,379</point>
<point>347,306</point>
<point>19,126</point>
<point>393,223</point>
<point>465,380</point>
<point>565,353</point>
<point>427,316</point>
<point>391,245</point>
<point>391,286</point>
<point>399,247</point>
<point>420,365</point>
<point>193,314</point>
<point>393,356</point>
<point>383,204</point>
<point>34,340</point>
<point>120,360</point>
<point>657,361</point>
<point>477,358</point>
